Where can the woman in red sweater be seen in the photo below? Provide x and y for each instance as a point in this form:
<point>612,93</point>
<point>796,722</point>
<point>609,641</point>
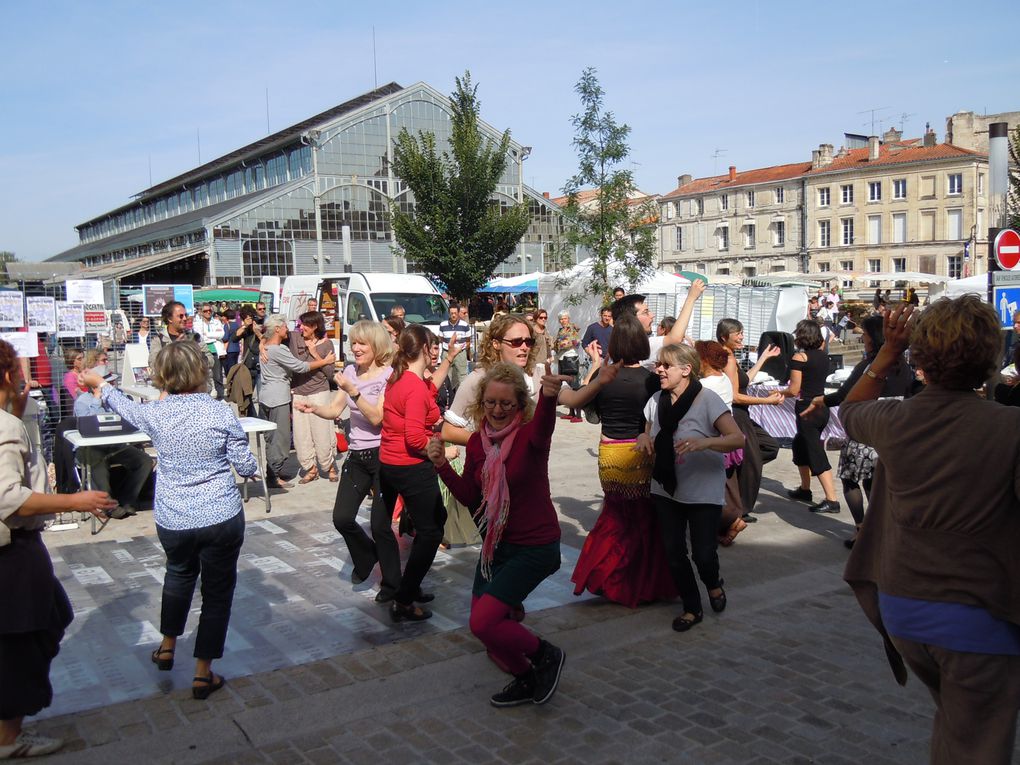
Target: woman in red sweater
<point>521,547</point>
<point>409,412</point>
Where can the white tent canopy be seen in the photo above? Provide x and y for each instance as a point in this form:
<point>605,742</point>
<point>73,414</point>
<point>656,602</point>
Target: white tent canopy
<point>972,285</point>
<point>904,276</point>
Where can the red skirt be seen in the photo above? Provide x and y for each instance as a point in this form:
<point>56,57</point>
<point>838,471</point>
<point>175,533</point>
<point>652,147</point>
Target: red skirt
<point>623,559</point>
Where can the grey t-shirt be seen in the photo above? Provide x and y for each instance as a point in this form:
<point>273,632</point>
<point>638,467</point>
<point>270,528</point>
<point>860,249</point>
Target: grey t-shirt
<point>700,476</point>
<point>274,384</point>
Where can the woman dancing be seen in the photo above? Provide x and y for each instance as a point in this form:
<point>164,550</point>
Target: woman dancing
<point>510,448</point>
<point>622,558</point>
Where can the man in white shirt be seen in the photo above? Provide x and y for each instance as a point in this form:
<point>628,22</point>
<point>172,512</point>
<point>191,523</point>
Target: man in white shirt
<point>635,304</point>
<point>210,334</point>
<point>455,325</point>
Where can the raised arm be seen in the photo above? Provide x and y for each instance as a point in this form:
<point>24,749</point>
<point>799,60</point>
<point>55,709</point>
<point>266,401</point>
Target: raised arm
<point>679,330</point>
<point>576,399</point>
<point>743,398</point>
<point>439,376</point>
<point>135,413</point>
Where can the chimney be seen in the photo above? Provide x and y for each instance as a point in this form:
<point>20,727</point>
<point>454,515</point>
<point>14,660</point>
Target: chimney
<point>814,159</point>
<point>545,194</point>
<point>892,135</point>
<point>929,136</point>
<point>733,173</point>
<point>873,145</point>
<point>683,180</point>
<point>825,154</point>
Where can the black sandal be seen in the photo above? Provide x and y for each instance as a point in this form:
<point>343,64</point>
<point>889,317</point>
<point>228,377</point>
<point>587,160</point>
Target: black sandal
<point>212,684</point>
<point>163,665</point>
<point>718,603</point>
<point>680,624</point>
<point>411,613</point>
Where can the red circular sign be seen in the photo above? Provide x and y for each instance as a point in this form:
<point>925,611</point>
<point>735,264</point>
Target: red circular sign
<point>1007,249</point>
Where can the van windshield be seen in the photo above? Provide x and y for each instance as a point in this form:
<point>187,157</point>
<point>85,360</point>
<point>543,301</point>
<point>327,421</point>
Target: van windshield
<point>418,308</point>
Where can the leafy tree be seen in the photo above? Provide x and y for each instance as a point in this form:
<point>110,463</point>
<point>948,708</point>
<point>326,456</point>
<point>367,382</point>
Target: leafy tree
<point>456,233</point>
<point>1013,190</point>
<point>610,228</point>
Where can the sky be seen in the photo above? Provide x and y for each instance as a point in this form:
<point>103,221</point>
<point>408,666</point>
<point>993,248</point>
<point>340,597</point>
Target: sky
<point>93,93</point>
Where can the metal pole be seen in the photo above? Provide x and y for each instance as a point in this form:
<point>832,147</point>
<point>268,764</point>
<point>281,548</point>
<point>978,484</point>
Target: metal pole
<point>998,182</point>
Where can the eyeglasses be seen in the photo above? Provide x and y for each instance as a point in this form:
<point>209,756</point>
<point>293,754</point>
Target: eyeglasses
<point>543,316</point>
<point>517,342</point>
<point>505,406</point>
<point>261,308</point>
<point>663,365</point>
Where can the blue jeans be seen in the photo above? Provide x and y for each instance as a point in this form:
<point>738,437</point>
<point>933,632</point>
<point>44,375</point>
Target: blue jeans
<point>211,551</point>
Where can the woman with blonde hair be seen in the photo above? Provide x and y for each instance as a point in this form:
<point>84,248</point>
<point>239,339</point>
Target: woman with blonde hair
<point>197,507</point>
<point>363,389</point>
<point>506,483</point>
<point>935,566</point>
<point>688,430</point>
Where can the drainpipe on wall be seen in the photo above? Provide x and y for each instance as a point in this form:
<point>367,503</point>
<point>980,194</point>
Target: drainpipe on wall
<point>804,256</point>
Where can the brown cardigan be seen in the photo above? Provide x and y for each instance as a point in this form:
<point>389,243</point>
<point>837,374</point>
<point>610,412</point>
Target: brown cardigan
<point>943,522</point>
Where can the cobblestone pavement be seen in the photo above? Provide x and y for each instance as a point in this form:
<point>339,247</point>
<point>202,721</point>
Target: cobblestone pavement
<point>790,673</point>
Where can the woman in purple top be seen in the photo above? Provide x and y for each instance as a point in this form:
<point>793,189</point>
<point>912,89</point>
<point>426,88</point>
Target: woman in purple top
<point>362,386</point>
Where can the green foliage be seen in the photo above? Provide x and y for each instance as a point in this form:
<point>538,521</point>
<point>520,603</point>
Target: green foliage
<point>1013,191</point>
<point>456,233</point>
<point>620,236</point>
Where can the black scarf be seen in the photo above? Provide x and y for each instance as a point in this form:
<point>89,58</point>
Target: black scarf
<point>669,416</point>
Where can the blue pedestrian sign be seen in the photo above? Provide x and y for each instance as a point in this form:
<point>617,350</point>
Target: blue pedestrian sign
<point>1006,302</point>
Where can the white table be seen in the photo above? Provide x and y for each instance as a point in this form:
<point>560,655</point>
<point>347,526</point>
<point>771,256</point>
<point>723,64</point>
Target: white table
<point>143,392</point>
<point>248,424</point>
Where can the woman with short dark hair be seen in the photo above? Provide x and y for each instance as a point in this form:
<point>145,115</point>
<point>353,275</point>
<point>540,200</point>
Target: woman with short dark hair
<point>314,437</point>
<point>623,559</point>
<point>809,368</point>
<point>197,507</point>
<point>935,567</point>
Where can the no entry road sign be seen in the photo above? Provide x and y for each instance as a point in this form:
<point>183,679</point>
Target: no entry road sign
<point>1007,249</point>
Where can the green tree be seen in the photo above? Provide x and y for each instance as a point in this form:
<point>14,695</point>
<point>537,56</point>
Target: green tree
<point>616,232</point>
<point>1013,190</point>
<point>6,256</point>
<point>456,233</point>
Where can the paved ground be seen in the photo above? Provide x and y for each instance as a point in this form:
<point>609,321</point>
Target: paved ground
<point>790,673</point>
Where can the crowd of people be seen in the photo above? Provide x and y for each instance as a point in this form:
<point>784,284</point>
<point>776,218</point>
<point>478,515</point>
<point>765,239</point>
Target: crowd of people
<point>459,455</point>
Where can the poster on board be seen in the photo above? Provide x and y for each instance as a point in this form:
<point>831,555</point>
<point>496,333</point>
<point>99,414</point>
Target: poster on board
<point>26,344</point>
<point>12,309</point>
<point>155,296</point>
<point>96,319</point>
<point>70,319</point>
<point>84,291</point>
<point>42,314</point>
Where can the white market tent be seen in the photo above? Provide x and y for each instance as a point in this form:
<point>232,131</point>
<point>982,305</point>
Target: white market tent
<point>972,285</point>
<point>514,284</point>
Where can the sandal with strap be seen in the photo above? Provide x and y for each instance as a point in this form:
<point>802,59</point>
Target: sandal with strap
<point>163,665</point>
<point>333,475</point>
<point>212,684</point>
<point>682,623</point>
<point>731,534</point>
<point>310,476</point>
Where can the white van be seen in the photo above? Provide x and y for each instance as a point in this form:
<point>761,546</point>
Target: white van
<point>345,298</point>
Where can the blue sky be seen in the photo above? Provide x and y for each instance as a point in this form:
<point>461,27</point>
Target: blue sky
<point>90,91</point>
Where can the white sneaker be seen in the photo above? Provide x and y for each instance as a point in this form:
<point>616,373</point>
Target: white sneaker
<point>30,745</point>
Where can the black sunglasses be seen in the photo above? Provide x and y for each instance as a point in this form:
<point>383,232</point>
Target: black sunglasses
<point>517,342</point>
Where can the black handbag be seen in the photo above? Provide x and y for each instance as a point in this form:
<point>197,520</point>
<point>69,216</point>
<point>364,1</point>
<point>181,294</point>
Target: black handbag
<point>569,366</point>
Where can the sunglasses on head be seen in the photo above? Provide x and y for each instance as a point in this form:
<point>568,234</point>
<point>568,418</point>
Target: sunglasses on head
<point>517,342</point>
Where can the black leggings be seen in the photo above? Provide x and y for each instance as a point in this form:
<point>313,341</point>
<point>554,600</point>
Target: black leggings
<point>419,486</point>
<point>360,475</point>
<point>759,449</point>
<point>703,520</point>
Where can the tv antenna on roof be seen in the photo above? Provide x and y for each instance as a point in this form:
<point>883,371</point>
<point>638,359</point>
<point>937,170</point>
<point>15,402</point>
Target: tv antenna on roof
<point>904,117</point>
<point>872,112</point>
<point>715,158</point>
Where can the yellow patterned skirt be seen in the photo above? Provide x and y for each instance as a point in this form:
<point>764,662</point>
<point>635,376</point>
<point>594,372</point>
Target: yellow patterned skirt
<point>624,471</point>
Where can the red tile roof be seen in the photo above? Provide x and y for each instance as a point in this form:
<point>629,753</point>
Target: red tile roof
<point>746,178</point>
<point>901,152</point>
<point>895,154</point>
<point>588,195</point>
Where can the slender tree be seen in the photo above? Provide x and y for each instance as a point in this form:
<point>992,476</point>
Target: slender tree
<point>1013,190</point>
<point>456,233</point>
<point>613,230</point>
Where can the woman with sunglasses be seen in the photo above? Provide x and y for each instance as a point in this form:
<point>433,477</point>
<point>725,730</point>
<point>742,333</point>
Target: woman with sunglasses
<point>506,482</point>
<point>509,339</point>
<point>688,429</point>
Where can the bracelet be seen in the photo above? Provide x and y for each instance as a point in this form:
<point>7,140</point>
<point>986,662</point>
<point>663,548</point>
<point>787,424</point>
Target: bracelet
<point>874,376</point>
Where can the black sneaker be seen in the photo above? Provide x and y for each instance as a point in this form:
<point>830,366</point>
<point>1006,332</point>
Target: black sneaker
<point>521,690</point>
<point>798,493</point>
<point>548,666</point>
<point>825,506</point>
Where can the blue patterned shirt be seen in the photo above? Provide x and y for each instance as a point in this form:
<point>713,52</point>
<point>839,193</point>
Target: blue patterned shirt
<point>197,439</point>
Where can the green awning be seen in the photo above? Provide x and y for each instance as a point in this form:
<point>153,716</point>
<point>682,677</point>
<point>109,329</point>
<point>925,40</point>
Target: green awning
<point>229,295</point>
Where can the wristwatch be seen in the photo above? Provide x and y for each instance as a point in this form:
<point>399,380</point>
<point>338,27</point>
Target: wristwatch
<point>873,376</point>
<point>355,396</point>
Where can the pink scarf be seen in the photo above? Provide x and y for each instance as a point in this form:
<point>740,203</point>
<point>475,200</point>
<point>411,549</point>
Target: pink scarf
<point>492,514</point>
